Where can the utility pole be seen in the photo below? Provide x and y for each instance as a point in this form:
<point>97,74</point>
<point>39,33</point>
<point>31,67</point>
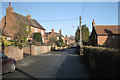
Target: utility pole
<point>81,50</point>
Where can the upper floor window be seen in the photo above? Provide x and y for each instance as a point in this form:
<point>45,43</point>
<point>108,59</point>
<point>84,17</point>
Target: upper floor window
<point>35,30</point>
<point>42,32</point>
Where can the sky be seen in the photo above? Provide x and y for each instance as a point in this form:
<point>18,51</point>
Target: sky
<point>63,15</point>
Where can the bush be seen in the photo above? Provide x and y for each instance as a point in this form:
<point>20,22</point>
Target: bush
<point>5,41</point>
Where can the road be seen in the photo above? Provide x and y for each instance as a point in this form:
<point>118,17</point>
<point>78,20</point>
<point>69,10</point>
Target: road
<point>55,64</point>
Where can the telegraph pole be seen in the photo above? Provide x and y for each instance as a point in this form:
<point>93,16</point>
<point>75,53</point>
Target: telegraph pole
<point>80,37</point>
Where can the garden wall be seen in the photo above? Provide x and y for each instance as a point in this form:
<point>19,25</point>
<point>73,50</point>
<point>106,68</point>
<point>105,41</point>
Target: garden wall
<point>42,49</point>
<point>104,61</point>
<point>13,52</point>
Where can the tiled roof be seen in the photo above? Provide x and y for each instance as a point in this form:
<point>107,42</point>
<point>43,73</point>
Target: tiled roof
<point>25,20</point>
<point>107,29</point>
<point>71,38</point>
<point>57,34</point>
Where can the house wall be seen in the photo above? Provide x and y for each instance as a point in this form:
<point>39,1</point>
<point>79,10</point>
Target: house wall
<point>111,41</point>
<point>101,39</point>
<point>9,23</point>
<point>38,30</point>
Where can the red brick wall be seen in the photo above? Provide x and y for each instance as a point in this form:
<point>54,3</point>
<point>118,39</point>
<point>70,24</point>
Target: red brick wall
<point>101,40</point>
<point>38,30</point>
<point>13,52</point>
<point>26,50</point>
<point>109,41</point>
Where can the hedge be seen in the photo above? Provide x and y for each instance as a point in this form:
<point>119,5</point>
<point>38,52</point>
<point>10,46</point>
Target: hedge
<point>104,62</point>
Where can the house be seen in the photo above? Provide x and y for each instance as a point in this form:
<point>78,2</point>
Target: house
<point>53,35</point>
<point>11,24</point>
<point>69,40</point>
<point>106,35</point>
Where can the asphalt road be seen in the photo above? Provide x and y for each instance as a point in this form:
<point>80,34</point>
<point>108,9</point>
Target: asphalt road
<point>56,64</point>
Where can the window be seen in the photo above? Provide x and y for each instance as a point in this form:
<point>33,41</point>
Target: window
<point>8,38</point>
<point>113,37</point>
<point>57,38</point>
<point>42,32</point>
<point>35,30</point>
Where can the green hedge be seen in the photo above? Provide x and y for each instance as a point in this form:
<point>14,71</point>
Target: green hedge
<point>105,62</point>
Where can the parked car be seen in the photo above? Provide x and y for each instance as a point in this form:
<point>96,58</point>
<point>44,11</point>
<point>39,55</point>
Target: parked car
<point>8,64</point>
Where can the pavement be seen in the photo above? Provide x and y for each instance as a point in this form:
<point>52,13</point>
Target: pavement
<point>55,64</point>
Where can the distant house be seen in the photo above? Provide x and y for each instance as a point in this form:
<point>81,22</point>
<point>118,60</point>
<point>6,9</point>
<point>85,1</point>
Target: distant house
<point>106,35</point>
<point>11,24</point>
<point>69,40</point>
<point>53,34</point>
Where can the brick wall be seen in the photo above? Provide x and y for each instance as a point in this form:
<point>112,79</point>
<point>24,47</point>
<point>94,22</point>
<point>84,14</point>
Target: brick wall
<point>0,48</point>
<point>42,49</point>
<point>26,50</point>
<point>34,50</point>
<point>109,41</point>
<point>13,52</point>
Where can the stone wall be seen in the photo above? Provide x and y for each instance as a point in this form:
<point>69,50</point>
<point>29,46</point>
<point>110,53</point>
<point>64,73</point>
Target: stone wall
<point>13,52</point>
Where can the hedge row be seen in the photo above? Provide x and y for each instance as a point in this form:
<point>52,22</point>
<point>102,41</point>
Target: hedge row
<point>104,62</point>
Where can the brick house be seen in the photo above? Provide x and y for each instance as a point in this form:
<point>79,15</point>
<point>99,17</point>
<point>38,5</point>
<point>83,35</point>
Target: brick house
<point>69,40</point>
<point>11,24</point>
<point>53,34</point>
<point>107,35</point>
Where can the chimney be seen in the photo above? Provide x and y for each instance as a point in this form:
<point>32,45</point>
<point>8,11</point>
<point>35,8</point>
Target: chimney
<point>9,9</point>
<point>53,31</point>
<point>60,31</point>
<point>29,16</point>
<point>66,36</point>
<point>93,23</point>
<point>9,4</point>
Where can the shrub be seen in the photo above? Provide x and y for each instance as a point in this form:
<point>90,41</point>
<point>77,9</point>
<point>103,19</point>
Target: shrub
<point>37,37</point>
<point>5,41</point>
<point>105,61</point>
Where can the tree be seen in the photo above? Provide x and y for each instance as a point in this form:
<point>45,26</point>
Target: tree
<point>21,36</point>
<point>52,40</point>
<point>85,34</point>
<point>60,42</point>
<point>37,37</point>
<point>77,35</point>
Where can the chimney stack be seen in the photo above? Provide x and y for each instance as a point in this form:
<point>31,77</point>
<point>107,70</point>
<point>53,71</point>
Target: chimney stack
<point>52,31</point>
<point>66,36</point>
<point>9,4</point>
<point>93,23</point>
<point>9,9</point>
<point>60,31</point>
<point>29,16</point>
